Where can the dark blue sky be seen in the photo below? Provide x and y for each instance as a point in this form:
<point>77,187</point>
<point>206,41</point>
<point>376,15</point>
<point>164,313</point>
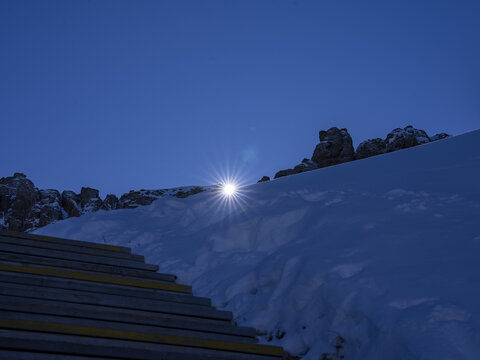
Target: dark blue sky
<point>122,95</point>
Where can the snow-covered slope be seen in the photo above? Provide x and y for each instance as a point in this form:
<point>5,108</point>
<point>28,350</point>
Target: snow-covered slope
<point>373,259</point>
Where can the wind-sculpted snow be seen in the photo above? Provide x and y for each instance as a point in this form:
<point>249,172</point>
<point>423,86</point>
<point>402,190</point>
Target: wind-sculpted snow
<point>374,259</point>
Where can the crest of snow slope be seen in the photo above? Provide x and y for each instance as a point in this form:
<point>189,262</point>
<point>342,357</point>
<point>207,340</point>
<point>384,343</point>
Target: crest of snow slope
<point>383,252</point>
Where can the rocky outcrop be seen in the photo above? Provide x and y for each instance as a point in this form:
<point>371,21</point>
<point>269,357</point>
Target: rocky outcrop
<point>49,207</point>
<point>369,148</point>
<point>90,199</point>
<point>183,193</point>
<point>283,173</point>
<point>23,207</point>
<point>71,203</point>
<point>135,199</point>
<point>111,202</point>
<point>305,165</point>
<point>335,147</point>
<point>18,197</point>
<point>264,179</point>
<point>439,136</point>
<point>404,138</point>
<point>397,139</point>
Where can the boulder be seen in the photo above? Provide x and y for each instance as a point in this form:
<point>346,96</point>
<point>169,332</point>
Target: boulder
<point>135,199</point>
<point>49,207</point>
<point>369,148</point>
<point>186,193</point>
<point>283,173</point>
<point>71,203</point>
<point>305,165</point>
<point>90,199</point>
<point>404,138</point>
<point>111,202</point>
<point>439,136</point>
<point>335,147</point>
<point>18,197</point>
<point>264,179</point>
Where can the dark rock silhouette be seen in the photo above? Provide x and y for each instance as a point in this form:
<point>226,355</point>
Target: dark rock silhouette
<point>135,199</point>
<point>23,207</point>
<point>264,179</point>
<point>335,147</point>
<point>90,199</point>
<point>18,197</point>
<point>71,203</point>
<point>111,202</point>
<point>439,136</point>
<point>285,172</point>
<point>404,138</point>
<point>369,148</point>
<point>305,165</point>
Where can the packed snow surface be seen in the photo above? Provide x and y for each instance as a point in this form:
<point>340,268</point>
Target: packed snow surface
<point>377,257</point>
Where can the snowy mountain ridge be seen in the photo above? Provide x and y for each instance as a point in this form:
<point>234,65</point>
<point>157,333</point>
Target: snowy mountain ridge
<point>372,259</point>
<point>24,207</point>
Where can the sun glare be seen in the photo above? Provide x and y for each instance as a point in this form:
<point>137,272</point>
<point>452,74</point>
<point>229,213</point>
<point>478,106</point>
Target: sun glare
<point>229,189</point>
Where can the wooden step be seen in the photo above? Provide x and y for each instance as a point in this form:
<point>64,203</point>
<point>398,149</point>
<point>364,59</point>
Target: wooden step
<point>81,275</point>
<point>27,355</point>
<point>140,337</point>
<point>69,248</point>
<point>91,268</point>
<point>111,348</point>
<point>67,319</point>
<point>79,285</point>
<point>114,301</point>
<point>81,257</point>
<point>74,300</point>
<point>127,315</point>
<point>60,241</point>
<point>97,312</point>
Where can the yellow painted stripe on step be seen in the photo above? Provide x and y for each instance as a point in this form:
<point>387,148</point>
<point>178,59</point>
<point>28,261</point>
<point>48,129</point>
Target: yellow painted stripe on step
<point>51,327</point>
<point>36,270</point>
<point>53,239</point>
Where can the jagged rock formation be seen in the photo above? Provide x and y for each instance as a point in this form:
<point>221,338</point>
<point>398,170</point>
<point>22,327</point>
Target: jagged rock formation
<point>23,207</point>
<point>404,138</point>
<point>439,136</point>
<point>305,165</point>
<point>264,179</point>
<point>370,147</point>
<point>336,147</point>
<point>397,139</point>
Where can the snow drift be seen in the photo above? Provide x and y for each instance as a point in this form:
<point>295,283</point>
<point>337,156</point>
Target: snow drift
<point>373,259</point>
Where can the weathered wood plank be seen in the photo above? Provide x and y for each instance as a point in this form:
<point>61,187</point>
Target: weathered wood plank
<point>27,355</point>
<point>68,319</point>
<point>56,328</point>
<point>70,248</point>
<point>20,249</point>
<point>114,301</point>
<point>80,285</point>
<point>90,267</point>
<point>90,346</point>
<point>52,307</point>
<point>51,239</point>
<point>109,279</point>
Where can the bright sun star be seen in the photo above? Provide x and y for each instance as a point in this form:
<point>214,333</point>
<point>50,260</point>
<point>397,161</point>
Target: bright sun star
<point>229,189</point>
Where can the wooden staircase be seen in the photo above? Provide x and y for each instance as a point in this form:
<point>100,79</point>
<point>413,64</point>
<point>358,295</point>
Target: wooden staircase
<point>66,299</point>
